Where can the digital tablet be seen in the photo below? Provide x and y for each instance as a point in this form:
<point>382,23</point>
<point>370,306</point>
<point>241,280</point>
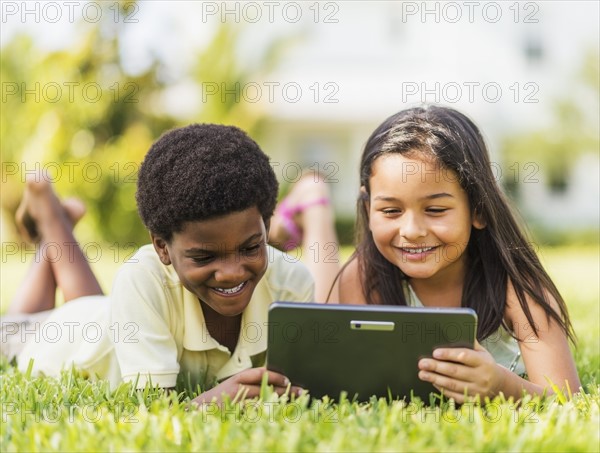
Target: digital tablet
<point>363,350</point>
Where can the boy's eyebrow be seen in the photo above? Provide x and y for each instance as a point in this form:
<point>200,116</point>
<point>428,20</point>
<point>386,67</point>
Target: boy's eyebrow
<point>433,196</point>
<point>196,250</point>
<point>252,238</point>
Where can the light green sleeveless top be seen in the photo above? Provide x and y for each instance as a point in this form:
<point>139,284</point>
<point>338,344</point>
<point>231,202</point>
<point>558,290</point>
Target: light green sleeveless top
<point>503,347</point>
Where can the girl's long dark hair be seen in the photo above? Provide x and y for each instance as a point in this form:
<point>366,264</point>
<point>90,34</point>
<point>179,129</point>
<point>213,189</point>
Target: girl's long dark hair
<point>495,254</point>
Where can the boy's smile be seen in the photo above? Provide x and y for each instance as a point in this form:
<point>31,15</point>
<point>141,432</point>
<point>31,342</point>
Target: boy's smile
<point>220,260</point>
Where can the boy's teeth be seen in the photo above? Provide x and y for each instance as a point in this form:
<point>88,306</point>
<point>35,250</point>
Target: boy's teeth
<point>233,290</point>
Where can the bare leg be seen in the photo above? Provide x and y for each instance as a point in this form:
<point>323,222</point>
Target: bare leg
<point>59,261</point>
<point>38,290</point>
<point>311,198</point>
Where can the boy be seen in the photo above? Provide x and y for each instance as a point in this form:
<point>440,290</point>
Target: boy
<point>193,305</point>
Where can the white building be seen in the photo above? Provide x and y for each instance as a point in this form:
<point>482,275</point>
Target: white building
<point>357,62</point>
<point>504,64</point>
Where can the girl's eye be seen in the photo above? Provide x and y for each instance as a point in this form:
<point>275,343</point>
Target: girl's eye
<point>436,210</point>
<point>391,211</point>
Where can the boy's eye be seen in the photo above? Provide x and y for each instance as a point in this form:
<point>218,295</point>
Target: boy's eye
<point>251,248</point>
<point>202,259</point>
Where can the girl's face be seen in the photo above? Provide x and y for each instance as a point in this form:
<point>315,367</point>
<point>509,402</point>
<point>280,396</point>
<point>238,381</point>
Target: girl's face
<point>420,217</point>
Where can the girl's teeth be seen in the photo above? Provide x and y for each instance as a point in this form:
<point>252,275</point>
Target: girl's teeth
<point>231,290</point>
<point>415,251</point>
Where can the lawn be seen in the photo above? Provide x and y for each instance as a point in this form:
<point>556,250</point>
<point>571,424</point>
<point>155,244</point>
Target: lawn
<point>74,414</point>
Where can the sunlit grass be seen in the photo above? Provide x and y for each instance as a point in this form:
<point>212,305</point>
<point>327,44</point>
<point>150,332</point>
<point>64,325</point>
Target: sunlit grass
<point>74,414</point>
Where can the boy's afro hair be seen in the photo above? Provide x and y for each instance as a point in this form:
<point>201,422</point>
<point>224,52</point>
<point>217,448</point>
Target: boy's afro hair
<point>200,172</point>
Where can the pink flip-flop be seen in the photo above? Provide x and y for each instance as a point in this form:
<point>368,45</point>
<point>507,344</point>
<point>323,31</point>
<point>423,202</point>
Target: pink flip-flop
<point>287,214</point>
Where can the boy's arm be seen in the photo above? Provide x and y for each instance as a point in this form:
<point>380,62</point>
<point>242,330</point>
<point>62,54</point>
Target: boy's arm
<point>144,345</point>
<point>289,279</point>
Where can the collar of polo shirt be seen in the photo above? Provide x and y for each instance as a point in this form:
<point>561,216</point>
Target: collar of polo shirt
<point>253,330</point>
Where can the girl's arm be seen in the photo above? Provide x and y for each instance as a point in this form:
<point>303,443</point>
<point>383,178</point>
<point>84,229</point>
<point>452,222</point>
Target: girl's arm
<point>546,355</point>
<point>348,288</point>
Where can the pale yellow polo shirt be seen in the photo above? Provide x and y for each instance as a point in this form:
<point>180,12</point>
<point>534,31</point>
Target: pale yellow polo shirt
<point>152,329</point>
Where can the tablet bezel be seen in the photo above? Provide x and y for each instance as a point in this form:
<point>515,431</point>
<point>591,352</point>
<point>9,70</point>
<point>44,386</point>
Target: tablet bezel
<point>326,353</point>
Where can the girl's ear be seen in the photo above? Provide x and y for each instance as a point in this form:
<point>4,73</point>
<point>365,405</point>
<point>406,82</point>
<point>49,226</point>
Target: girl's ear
<point>160,245</point>
<point>478,222</point>
<point>364,196</point>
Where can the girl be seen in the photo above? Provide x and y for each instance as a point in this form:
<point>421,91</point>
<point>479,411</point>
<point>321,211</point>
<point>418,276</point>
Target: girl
<point>435,230</point>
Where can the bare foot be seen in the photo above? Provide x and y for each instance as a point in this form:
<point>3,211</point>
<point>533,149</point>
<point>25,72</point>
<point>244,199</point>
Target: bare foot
<point>41,205</point>
<point>287,223</point>
<point>24,221</point>
<point>75,209</point>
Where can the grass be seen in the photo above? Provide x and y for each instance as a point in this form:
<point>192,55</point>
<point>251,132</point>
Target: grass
<point>74,414</point>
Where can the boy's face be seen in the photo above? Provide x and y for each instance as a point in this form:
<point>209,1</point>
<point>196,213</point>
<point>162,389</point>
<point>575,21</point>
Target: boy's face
<point>219,260</point>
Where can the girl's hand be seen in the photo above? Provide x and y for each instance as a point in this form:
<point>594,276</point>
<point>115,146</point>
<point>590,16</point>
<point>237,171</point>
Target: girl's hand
<point>248,381</point>
<point>456,371</point>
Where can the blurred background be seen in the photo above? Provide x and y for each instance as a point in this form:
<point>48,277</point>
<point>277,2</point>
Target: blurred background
<point>87,87</point>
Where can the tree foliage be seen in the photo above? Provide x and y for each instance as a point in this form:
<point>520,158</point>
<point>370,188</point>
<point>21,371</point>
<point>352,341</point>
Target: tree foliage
<point>573,131</point>
<point>77,117</point>
<point>80,118</point>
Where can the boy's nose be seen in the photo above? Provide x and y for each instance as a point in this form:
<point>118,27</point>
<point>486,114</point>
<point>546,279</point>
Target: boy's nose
<point>229,270</point>
<point>411,227</point>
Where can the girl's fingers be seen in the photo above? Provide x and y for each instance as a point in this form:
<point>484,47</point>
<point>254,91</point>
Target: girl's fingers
<point>458,397</point>
<point>465,356</point>
<point>450,369</point>
<point>446,384</point>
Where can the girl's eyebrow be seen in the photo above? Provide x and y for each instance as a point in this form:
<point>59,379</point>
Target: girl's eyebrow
<point>433,196</point>
<point>384,198</point>
<point>437,195</point>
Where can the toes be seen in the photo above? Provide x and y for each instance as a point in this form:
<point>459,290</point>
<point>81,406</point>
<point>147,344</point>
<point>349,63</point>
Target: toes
<point>25,223</point>
<point>75,209</point>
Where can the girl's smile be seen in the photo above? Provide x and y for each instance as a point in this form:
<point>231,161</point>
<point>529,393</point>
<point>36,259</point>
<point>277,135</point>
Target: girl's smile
<point>416,253</point>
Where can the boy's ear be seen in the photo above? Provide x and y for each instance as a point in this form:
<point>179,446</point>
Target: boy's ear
<point>160,245</point>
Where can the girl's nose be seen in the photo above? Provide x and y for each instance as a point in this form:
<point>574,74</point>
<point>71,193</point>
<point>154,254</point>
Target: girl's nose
<point>411,227</point>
